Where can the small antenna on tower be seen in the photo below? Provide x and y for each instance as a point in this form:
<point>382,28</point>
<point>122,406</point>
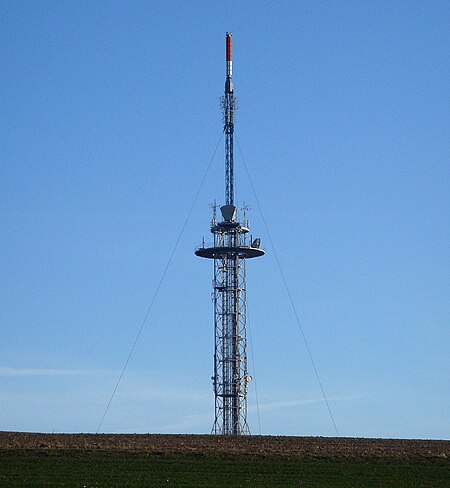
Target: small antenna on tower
<point>214,217</point>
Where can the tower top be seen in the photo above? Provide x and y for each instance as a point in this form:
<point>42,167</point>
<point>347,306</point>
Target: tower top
<point>229,60</point>
<point>229,39</point>
<point>228,106</point>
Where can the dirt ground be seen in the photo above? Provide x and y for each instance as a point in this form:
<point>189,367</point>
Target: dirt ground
<point>317,447</point>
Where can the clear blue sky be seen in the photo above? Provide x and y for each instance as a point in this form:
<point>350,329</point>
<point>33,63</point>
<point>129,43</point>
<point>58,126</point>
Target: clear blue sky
<point>109,117</point>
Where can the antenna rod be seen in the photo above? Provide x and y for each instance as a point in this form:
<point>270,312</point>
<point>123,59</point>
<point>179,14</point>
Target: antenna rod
<point>228,103</point>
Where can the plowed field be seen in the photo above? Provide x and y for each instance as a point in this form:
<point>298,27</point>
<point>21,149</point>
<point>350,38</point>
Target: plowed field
<point>260,445</point>
<point>88,460</point>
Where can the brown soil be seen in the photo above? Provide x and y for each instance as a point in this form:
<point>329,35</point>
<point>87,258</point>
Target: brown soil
<point>317,447</point>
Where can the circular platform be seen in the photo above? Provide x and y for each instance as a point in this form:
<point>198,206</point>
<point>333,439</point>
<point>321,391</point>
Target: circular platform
<point>220,252</point>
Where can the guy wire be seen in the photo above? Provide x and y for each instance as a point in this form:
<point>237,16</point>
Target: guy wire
<point>288,292</point>
<point>119,379</point>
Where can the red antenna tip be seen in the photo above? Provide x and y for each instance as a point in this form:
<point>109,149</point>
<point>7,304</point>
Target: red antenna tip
<point>229,46</point>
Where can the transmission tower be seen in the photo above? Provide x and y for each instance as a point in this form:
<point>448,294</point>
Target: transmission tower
<point>230,249</point>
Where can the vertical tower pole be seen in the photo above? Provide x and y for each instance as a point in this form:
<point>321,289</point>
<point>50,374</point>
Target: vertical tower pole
<point>228,103</point>
<point>229,252</point>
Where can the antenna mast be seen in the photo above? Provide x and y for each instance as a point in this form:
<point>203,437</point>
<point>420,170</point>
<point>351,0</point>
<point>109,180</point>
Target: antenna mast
<point>228,105</point>
<point>230,250</point>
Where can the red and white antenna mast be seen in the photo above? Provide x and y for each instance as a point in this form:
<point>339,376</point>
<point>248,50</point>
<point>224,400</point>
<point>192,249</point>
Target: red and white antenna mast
<point>228,105</point>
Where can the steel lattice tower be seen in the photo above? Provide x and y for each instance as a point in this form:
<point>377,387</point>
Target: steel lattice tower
<point>230,249</point>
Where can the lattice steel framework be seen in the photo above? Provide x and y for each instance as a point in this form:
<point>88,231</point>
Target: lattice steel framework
<point>230,249</point>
